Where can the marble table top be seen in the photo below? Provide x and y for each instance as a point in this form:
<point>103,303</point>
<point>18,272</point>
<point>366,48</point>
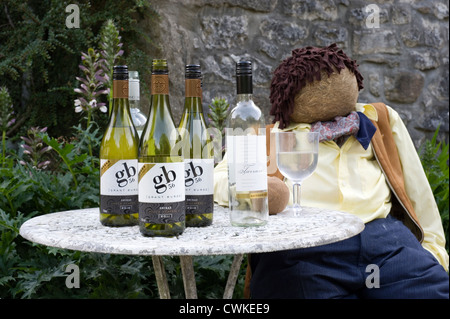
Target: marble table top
<point>81,230</point>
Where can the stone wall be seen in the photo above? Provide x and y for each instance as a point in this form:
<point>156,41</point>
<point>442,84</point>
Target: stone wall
<point>400,45</point>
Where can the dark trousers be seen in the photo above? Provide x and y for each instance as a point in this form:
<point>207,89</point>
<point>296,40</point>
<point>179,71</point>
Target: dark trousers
<point>384,261</point>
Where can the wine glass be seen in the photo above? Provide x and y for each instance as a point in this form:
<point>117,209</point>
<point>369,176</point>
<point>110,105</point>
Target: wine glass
<point>297,155</point>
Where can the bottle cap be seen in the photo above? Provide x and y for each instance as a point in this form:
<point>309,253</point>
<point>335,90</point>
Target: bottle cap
<point>193,71</point>
<point>134,75</point>
<point>244,68</point>
<point>120,72</point>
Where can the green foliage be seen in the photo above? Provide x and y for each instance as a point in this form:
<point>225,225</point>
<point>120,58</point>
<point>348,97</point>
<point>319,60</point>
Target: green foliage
<point>111,52</point>
<point>218,113</point>
<point>92,86</point>
<point>39,55</point>
<point>5,108</point>
<point>5,115</point>
<point>435,157</point>
<point>34,149</point>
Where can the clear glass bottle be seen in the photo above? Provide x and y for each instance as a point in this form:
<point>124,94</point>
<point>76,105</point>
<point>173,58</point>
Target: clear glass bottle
<point>246,155</point>
<point>161,164</point>
<point>139,119</point>
<point>118,159</point>
<point>198,153</point>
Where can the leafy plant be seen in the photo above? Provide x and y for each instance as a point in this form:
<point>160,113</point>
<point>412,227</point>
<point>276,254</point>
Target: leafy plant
<point>435,158</point>
<point>6,114</point>
<point>26,269</point>
<point>34,150</point>
<point>92,86</point>
<point>111,52</point>
<point>218,113</point>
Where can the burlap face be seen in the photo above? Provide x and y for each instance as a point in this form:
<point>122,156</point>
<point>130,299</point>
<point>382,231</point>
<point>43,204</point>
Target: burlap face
<point>334,95</point>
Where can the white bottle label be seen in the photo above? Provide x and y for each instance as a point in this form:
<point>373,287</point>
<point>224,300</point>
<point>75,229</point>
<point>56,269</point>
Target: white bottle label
<point>247,162</point>
<point>199,176</point>
<point>118,177</point>
<point>161,182</point>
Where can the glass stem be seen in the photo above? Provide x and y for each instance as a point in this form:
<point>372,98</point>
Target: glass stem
<point>296,195</point>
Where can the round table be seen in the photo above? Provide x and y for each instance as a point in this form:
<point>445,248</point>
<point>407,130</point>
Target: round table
<point>81,230</point>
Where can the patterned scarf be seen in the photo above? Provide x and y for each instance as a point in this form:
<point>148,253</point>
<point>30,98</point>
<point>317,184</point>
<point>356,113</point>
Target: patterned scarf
<point>356,123</point>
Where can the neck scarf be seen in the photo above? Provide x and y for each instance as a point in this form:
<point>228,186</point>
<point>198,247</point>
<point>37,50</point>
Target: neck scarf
<point>356,124</point>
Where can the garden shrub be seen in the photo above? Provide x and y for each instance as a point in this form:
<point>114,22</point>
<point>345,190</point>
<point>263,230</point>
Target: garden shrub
<point>434,156</point>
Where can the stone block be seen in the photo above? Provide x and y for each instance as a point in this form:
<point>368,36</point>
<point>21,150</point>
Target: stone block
<point>401,14</point>
<point>439,86</point>
<point>375,85</point>
<point>311,9</point>
<point>224,32</point>
<point>326,35</point>
<point>283,32</point>
<point>403,86</point>
<point>434,8</point>
<point>269,48</point>
<point>255,5</point>
<point>425,59</point>
<point>375,41</point>
<point>423,32</point>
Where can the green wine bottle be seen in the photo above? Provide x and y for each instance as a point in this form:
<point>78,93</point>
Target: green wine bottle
<point>119,159</point>
<point>198,153</point>
<point>161,164</point>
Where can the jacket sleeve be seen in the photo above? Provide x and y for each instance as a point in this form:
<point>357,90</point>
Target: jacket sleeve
<point>221,182</point>
<point>419,191</point>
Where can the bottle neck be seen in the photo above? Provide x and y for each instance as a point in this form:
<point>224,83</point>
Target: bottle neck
<point>160,84</point>
<point>193,96</point>
<point>120,89</point>
<point>120,113</point>
<point>244,98</point>
<point>244,85</point>
<point>134,92</point>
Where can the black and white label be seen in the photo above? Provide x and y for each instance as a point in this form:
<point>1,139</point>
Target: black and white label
<point>199,183</point>
<point>161,192</point>
<point>199,176</point>
<point>247,162</point>
<point>118,186</point>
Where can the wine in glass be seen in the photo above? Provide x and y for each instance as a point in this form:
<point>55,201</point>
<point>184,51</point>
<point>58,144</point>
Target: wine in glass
<point>297,155</point>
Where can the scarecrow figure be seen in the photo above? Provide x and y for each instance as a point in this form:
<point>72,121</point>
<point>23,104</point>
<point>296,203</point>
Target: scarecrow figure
<point>368,166</point>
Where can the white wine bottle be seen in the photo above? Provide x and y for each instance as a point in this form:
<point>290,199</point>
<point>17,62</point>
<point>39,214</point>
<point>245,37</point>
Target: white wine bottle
<point>246,155</point>
<point>119,159</point>
<point>139,119</point>
<point>161,164</point>
<point>198,153</point>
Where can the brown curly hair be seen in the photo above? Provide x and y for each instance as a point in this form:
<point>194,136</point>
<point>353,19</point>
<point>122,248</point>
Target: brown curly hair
<point>303,66</point>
